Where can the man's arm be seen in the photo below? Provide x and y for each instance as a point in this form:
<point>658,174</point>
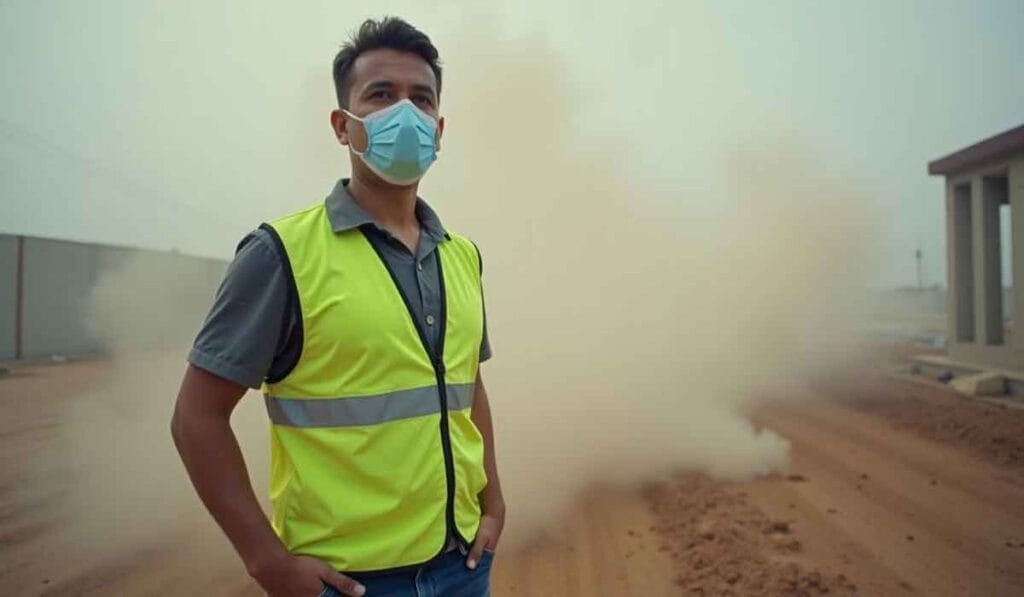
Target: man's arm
<point>246,338</point>
<point>202,433</point>
<point>491,499</point>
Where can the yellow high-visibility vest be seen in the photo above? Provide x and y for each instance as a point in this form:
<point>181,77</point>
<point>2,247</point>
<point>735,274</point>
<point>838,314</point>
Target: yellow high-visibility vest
<point>375,462</point>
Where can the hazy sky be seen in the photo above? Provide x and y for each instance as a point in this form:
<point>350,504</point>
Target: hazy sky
<point>184,124</point>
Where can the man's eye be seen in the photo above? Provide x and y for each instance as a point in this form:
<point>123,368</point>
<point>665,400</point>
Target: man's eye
<point>380,94</point>
<point>423,99</point>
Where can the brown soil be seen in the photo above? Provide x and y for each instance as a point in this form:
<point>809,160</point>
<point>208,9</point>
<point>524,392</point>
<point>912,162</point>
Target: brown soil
<point>723,545</point>
<point>992,429</point>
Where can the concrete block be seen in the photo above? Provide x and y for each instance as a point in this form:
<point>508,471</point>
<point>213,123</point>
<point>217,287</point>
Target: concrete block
<point>980,384</point>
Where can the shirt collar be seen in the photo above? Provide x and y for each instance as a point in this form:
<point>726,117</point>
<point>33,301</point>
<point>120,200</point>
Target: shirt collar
<point>345,214</point>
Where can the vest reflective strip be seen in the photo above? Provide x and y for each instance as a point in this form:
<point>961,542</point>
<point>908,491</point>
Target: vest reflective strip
<point>365,410</point>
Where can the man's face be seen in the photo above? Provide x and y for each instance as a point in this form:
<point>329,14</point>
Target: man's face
<point>378,79</point>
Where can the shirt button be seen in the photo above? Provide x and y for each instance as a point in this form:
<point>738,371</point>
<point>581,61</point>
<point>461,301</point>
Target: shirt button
<point>430,320</point>
<point>419,266</point>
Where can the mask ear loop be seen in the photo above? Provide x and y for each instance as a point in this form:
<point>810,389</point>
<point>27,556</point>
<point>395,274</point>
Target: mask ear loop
<point>360,121</point>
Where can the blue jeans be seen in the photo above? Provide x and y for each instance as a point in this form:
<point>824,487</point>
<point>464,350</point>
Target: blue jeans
<point>446,577</point>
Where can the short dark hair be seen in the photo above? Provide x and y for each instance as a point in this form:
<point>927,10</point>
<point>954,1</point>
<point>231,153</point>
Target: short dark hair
<point>389,32</point>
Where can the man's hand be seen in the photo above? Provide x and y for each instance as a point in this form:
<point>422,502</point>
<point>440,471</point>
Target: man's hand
<point>487,537</point>
<point>301,576</point>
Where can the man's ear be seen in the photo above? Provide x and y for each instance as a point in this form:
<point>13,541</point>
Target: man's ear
<point>440,131</point>
<point>338,123</point>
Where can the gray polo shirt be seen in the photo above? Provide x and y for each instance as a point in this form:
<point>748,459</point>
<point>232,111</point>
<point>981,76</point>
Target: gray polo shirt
<point>254,331</point>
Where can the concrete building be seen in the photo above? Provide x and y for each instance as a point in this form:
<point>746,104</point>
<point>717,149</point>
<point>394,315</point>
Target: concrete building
<point>985,252</point>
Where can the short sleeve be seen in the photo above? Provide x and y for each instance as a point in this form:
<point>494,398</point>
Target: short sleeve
<point>251,331</point>
<point>485,343</point>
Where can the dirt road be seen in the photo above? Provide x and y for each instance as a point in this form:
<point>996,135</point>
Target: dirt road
<point>871,506</point>
<point>893,512</point>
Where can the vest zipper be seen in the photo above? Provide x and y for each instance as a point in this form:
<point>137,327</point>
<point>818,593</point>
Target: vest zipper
<point>449,464</point>
<point>442,386</point>
<point>437,362</point>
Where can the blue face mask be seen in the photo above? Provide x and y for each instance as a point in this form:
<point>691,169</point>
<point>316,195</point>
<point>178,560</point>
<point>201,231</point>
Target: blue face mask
<point>401,142</point>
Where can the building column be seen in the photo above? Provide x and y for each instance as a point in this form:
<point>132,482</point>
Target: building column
<point>1016,189</point>
<point>979,250</point>
<point>952,308</point>
<point>960,230</point>
<point>993,196</point>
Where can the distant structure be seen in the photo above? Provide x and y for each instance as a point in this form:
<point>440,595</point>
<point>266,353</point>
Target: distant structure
<point>984,197</point>
<point>48,305</point>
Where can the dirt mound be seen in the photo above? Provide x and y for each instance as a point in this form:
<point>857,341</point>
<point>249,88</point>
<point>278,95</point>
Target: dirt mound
<point>722,545</point>
<point>992,430</point>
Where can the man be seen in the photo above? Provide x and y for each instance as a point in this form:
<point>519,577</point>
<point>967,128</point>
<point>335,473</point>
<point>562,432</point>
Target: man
<point>363,321</point>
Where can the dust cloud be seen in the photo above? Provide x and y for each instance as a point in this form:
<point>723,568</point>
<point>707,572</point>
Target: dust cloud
<point>633,326</point>
<point>130,489</point>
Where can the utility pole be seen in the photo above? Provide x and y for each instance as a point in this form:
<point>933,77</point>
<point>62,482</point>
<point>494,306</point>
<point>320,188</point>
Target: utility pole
<point>920,269</point>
